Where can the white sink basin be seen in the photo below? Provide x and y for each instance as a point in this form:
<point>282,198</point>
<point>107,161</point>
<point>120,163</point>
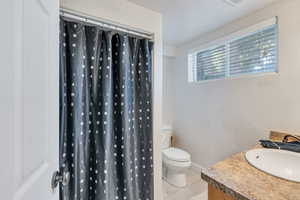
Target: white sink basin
<point>280,163</point>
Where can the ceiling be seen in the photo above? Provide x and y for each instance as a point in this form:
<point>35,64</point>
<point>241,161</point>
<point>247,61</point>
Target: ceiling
<point>184,20</point>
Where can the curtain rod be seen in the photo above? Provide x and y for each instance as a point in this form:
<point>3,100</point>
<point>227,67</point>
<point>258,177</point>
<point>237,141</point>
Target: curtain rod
<point>71,14</point>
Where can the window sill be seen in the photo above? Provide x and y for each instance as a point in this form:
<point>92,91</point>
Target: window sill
<point>237,77</point>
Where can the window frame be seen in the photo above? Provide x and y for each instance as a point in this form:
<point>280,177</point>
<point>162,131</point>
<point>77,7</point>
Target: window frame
<point>226,40</point>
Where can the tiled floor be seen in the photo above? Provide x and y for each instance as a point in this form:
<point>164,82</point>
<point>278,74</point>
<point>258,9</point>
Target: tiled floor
<point>196,189</point>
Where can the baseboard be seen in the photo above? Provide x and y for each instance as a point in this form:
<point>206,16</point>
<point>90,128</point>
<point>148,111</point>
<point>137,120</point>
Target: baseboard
<point>196,167</point>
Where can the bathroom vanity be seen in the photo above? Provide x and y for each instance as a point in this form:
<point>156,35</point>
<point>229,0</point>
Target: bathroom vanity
<point>235,179</point>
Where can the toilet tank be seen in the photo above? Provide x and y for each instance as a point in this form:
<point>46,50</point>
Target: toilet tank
<point>166,135</point>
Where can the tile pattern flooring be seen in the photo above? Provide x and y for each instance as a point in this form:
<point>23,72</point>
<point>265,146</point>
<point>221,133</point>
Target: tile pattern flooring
<point>196,188</point>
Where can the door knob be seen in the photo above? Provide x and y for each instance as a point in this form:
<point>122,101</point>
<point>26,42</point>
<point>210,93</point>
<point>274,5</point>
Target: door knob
<point>59,177</point>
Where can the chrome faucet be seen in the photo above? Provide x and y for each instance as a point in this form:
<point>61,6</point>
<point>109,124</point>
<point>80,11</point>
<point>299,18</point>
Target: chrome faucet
<point>286,138</point>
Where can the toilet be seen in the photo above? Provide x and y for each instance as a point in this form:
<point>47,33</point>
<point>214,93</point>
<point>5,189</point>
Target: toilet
<point>175,161</point>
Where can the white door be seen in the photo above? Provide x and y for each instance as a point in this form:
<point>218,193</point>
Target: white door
<point>29,102</point>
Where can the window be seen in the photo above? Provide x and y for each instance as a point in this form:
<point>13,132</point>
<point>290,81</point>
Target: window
<point>249,52</point>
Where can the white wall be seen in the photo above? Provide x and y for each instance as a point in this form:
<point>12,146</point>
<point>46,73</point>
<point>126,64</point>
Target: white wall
<point>170,51</point>
<point>7,18</point>
<point>169,60</point>
<point>168,66</point>
<point>169,55</point>
<point>126,13</point>
<point>215,119</point>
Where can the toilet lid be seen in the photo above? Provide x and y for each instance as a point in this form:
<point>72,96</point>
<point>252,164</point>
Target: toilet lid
<point>176,154</point>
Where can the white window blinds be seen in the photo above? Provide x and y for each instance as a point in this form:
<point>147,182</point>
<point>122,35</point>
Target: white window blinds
<point>211,64</point>
<point>250,53</point>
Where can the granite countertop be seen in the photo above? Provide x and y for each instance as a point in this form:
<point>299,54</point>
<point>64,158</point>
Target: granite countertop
<point>235,177</point>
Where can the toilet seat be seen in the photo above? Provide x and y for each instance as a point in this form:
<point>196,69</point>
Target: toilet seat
<point>176,155</point>
<point>173,163</point>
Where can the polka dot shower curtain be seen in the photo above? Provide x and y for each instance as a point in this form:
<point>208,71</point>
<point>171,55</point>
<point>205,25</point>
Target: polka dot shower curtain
<point>105,114</point>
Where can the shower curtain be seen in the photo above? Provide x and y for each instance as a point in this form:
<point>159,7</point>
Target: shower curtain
<point>105,114</point>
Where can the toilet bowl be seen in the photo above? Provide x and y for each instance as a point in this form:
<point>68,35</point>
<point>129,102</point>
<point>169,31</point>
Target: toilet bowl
<point>175,161</point>
<point>175,164</point>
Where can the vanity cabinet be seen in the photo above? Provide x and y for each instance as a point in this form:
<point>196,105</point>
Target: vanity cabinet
<point>216,194</point>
